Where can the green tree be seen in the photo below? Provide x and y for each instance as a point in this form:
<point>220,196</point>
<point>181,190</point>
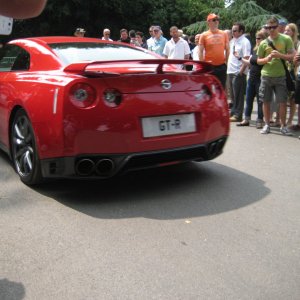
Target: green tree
<point>290,10</point>
<point>61,17</point>
<point>249,13</point>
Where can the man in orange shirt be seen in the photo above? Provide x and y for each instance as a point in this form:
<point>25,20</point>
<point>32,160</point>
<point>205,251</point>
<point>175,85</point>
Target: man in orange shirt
<point>214,48</point>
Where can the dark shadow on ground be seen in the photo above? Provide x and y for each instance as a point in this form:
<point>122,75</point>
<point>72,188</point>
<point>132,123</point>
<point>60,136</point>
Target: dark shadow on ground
<point>182,191</point>
<point>6,164</point>
<point>10,290</point>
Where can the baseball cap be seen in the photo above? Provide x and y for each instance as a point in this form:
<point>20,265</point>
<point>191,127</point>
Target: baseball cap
<point>80,30</point>
<point>282,22</point>
<point>211,17</point>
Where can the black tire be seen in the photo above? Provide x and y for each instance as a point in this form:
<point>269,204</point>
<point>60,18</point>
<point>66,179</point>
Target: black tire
<point>23,149</point>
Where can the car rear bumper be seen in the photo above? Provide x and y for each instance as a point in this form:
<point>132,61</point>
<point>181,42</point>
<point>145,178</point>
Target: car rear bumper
<point>109,165</point>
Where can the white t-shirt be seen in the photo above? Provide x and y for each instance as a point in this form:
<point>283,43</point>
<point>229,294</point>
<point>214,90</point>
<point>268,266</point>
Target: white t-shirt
<point>176,50</point>
<point>104,39</point>
<point>195,53</point>
<point>242,46</point>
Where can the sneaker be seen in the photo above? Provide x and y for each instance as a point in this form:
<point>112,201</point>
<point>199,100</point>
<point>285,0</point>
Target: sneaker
<point>285,131</point>
<point>265,130</point>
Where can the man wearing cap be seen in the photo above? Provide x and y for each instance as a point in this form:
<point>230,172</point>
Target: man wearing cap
<point>79,32</point>
<point>214,43</point>
<point>159,42</point>
<point>281,25</point>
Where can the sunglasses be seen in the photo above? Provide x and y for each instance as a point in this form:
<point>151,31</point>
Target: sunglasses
<point>156,30</point>
<point>271,27</point>
<point>214,20</point>
<point>258,38</point>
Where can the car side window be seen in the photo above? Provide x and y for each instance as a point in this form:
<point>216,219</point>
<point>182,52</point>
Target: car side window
<point>14,58</point>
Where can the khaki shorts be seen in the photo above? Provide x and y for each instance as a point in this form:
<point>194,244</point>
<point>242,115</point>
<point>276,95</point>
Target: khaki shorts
<point>270,85</point>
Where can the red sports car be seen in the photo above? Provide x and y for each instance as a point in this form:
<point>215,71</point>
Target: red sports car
<point>81,107</point>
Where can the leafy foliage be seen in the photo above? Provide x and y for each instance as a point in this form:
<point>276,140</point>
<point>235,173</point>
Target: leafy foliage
<point>61,17</point>
<point>249,13</point>
<point>290,10</point>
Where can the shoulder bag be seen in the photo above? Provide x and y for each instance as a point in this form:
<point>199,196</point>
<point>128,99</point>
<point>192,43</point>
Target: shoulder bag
<point>290,84</point>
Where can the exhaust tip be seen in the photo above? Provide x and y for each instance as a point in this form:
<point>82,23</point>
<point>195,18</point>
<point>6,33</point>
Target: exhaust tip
<point>85,167</point>
<point>104,167</point>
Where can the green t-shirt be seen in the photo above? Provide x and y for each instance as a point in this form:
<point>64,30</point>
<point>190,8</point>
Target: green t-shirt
<point>283,43</point>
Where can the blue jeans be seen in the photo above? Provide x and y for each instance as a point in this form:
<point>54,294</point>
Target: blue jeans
<point>252,91</point>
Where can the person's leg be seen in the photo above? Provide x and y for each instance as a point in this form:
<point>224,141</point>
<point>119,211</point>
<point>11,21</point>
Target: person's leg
<point>282,114</point>
<point>267,112</point>
<point>250,94</point>
<point>260,114</point>
<point>228,92</point>
<point>292,111</point>
<point>281,95</point>
<point>297,101</point>
<point>240,86</point>
<point>266,95</point>
<point>232,78</point>
<point>220,73</point>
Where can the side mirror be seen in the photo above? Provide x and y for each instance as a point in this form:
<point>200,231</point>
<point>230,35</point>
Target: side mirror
<point>6,25</point>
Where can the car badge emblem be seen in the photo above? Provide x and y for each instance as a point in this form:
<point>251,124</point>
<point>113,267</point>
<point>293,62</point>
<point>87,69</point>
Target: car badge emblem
<point>166,84</point>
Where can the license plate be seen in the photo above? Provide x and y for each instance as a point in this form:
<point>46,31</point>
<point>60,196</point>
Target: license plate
<point>167,125</point>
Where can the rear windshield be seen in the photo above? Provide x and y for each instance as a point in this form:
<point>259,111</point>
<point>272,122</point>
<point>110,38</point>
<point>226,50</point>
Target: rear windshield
<point>77,52</point>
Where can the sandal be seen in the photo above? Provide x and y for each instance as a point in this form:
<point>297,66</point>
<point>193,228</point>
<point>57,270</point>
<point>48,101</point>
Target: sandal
<point>243,123</point>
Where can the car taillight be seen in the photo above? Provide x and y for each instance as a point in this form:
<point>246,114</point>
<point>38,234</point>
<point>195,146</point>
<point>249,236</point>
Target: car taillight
<point>216,90</point>
<point>204,94</point>
<point>112,97</point>
<point>82,95</point>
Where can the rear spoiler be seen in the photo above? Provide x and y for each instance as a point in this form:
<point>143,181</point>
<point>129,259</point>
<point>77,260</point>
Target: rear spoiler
<point>81,67</point>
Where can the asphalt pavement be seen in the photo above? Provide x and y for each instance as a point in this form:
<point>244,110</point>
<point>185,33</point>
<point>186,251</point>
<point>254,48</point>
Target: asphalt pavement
<point>223,229</point>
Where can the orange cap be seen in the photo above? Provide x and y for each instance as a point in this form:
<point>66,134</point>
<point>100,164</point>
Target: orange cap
<point>211,17</point>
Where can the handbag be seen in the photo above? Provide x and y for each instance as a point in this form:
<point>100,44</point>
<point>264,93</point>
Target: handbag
<point>290,84</point>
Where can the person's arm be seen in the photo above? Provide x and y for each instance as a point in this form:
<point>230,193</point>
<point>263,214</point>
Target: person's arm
<point>264,60</point>
<point>165,52</point>
<point>296,60</point>
<point>246,61</point>
<point>289,56</point>
<point>187,51</point>
<point>201,49</point>
<point>262,57</point>
<point>227,48</point>
<point>21,9</point>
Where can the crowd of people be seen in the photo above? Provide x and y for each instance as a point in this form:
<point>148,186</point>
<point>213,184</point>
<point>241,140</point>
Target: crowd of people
<point>246,72</point>
<point>274,59</point>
